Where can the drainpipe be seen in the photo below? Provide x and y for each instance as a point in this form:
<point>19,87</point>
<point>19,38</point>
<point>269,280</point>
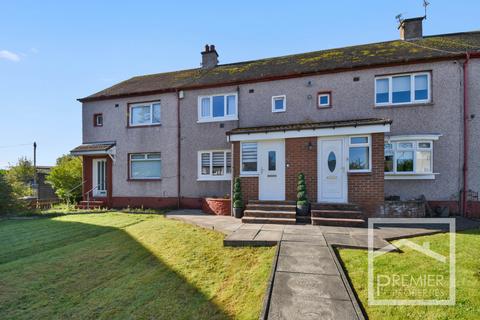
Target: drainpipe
<point>179,137</point>
<point>465,134</point>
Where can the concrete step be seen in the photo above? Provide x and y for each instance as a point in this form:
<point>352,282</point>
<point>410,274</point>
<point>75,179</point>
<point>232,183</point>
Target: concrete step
<point>269,213</point>
<point>344,214</point>
<point>338,222</point>
<point>268,220</point>
<point>273,202</point>
<point>275,207</point>
<point>335,206</point>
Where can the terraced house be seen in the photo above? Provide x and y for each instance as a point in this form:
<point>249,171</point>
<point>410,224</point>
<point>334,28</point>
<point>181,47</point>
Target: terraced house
<point>394,119</point>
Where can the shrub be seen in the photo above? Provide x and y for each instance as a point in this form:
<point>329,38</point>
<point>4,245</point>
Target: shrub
<point>20,177</point>
<point>8,201</point>
<point>237,194</point>
<point>301,190</point>
<point>65,176</point>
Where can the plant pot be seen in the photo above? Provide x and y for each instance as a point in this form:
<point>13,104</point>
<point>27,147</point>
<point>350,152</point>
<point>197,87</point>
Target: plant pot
<point>303,210</point>
<point>238,212</point>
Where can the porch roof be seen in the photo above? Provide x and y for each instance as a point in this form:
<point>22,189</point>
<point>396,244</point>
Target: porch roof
<point>95,148</point>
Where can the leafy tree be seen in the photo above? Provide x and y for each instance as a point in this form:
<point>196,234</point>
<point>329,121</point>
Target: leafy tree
<point>20,177</point>
<point>8,201</point>
<point>65,176</point>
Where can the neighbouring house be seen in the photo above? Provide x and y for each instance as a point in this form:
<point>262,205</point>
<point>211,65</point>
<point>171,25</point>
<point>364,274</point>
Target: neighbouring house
<point>364,123</point>
<point>44,190</point>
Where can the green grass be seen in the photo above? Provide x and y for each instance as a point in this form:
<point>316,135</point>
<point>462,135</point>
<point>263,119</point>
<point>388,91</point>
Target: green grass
<point>412,262</point>
<point>126,266</point>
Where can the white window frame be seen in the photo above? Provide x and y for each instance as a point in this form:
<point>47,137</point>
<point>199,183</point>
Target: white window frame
<point>248,173</point>
<point>145,159</point>
<point>323,105</point>
<point>412,89</point>
<point>98,123</point>
<point>401,175</point>
<point>144,104</point>
<point>284,98</point>
<point>365,144</point>
<point>211,118</point>
<point>211,177</point>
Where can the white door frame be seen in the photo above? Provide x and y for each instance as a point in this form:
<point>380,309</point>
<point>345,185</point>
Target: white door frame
<point>343,163</point>
<point>271,184</point>
<point>99,191</point>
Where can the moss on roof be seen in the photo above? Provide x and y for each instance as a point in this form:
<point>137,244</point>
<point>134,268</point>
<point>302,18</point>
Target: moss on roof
<point>369,55</point>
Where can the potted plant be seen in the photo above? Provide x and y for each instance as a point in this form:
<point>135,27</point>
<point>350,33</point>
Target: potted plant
<point>237,198</point>
<point>302,201</point>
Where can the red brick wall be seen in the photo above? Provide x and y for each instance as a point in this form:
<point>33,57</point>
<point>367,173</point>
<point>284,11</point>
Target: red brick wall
<point>216,206</point>
<point>301,160</point>
<point>87,177</point>
<point>249,184</point>
<point>367,189</point>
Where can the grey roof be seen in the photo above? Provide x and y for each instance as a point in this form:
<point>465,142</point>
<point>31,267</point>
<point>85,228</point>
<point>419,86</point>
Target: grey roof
<point>311,126</point>
<point>92,148</point>
<point>438,47</point>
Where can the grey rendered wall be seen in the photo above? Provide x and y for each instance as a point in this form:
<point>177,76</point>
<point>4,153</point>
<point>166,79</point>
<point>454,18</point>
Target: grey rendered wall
<point>351,99</point>
<point>474,125</point>
<point>129,140</point>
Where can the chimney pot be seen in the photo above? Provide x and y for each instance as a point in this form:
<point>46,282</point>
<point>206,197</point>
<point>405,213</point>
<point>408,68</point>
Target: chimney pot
<point>411,29</point>
<point>209,57</point>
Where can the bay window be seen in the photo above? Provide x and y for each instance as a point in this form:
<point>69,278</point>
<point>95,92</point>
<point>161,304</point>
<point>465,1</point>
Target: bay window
<point>412,159</point>
<point>217,107</point>
<point>402,89</point>
<point>145,166</point>
<point>215,165</point>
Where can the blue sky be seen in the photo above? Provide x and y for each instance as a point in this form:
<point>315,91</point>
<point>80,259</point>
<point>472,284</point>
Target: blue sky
<point>53,52</point>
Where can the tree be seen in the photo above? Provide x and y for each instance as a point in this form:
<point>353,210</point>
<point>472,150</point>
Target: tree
<point>20,177</point>
<point>8,201</point>
<point>65,176</point>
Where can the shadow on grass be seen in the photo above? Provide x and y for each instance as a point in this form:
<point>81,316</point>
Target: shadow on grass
<point>55,269</point>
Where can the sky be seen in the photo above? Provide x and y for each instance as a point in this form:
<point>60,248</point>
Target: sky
<point>54,52</point>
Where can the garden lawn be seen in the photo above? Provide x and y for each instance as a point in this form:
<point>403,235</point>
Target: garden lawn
<point>118,265</point>
<point>412,262</point>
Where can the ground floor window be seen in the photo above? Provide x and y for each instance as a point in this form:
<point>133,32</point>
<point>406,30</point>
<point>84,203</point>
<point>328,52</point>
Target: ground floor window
<point>408,157</point>
<point>145,166</point>
<point>359,154</point>
<point>215,165</point>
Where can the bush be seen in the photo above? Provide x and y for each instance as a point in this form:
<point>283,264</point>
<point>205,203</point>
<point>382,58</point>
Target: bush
<point>8,201</point>
<point>65,176</point>
<point>237,194</point>
<point>301,190</point>
<point>20,177</point>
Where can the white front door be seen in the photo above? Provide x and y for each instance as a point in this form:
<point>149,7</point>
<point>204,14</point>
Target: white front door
<point>99,184</point>
<point>332,178</point>
<point>271,157</point>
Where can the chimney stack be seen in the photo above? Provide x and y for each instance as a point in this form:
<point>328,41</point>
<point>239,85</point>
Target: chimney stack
<point>411,29</point>
<point>209,57</point>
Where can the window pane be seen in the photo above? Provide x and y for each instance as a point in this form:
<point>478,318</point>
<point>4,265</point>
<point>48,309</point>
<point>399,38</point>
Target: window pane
<point>156,113</point>
<point>137,156</point>
<point>153,156</point>
<point>218,163</point>
<point>359,158</point>
<point>405,145</point>
<point>405,161</point>
<point>355,140</point>
<point>401,89</point>
<point>249,156</point>
<point>206,163</point>
<point>424,145</point>
<point>229,162</point>
<point>279,103</point>
<point>218,106</point>
<point>272,161</point>
<point>146,169</point>
<point>324,100</point>
<point>424,161</point>
<point>140,114</point>
<point>421,87</point>
<point>231,105</point>
<point>382,91</point>
<point>389,153</point>
<point>205,107</point>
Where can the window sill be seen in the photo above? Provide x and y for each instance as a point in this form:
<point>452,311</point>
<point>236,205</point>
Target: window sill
<point>217,119</point>
<point>249,175</point>
<point>411,176</point>
<point>358,173</point>
<point>404,105</point>
<point>220,178</point>
<point>144,180</point>
<point>324,107</point>
<point>145,125</point>
<point>279,111</point>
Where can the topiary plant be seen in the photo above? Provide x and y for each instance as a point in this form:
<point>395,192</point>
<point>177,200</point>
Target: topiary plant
<point>302,201</point>
<point>237,194</point>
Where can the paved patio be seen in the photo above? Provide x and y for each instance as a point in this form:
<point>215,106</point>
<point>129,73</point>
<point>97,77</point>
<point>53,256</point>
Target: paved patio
<point>308,280</point>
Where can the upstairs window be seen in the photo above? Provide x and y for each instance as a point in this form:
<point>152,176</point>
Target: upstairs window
<point>214,165</point>
<point>279,103</point>
<point>217,108</point>
<point>144,114</point>
<point>403,89</point>
<point>324,100</point>
<point>408,157</point>
<point>98,120</point>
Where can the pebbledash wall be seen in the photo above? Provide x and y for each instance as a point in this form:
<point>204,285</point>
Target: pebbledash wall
<point>351,100</point>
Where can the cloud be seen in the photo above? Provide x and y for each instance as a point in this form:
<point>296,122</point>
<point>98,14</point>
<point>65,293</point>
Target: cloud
<point>8,55</point>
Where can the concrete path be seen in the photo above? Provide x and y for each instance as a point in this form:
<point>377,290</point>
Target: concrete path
<point>224,224</point>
